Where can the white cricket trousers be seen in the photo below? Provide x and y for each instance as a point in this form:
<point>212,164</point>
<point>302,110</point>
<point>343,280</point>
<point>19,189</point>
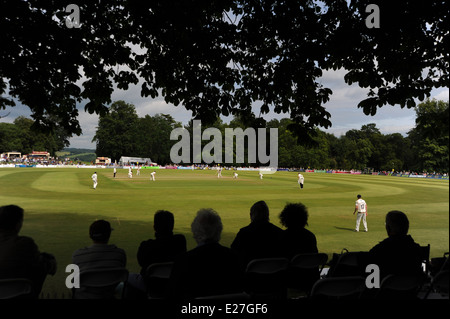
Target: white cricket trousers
<point>358,221</point>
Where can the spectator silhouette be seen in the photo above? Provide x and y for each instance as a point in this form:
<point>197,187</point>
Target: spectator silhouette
<point>19,255</point>
<point>210,268</point>
<point>397,254</point>
<point>296,238</point>
<point>164,248</point>
<point>99,255</point>
<point>260,239</point>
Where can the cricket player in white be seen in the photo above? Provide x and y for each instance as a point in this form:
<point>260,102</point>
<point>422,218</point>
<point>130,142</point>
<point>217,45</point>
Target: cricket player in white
<point>94,179</point>
<point>219,172</point>
<point>130,172</point>
<point>152,176</point>
<point>361,209</point>
<point>260,175</point>
<point>301,180</point>
<point>235,175</point>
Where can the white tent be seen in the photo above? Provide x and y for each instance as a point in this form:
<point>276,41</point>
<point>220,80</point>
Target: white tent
<point>126,160</point>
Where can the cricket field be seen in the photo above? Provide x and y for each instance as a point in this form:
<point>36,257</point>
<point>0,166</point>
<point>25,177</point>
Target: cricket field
<point>60,204</point>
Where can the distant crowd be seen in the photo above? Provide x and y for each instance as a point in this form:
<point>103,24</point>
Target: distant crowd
<point>35,161</point>
<point>54,161</point>
<point>208,269</point>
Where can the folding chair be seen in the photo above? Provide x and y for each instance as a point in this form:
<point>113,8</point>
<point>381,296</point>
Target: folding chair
<point>446,265</point>
<point>304,270</point>
<point>439,286</point>
<point>157,277</point>
<point>100,283</point>
<point>438,264</point>
<point>338,288</point>
<point>309,261</point>
<point>267,265</point>
<point>15,288</point>
<point>266,278</point>
<point>349,264</point>
<point>425,257</point>
<point>400,287</point>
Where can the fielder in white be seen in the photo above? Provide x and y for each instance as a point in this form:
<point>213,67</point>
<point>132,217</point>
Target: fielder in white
<point>219,172</point>
<point>94,179</point>
<point>301,180</point>
<point>130,172</point>
<point>260,175</point>
<point>235,175</point>
<point>152,176</point>
<point>361,209</point>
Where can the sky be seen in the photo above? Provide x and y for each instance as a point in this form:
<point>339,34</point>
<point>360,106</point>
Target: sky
<point>345,115</point>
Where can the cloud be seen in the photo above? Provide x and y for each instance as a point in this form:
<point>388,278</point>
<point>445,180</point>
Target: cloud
<point>442,95</point>
<point>345,114</point>
<point>9,114</point>
<point>88,123</point>
<point>151,106</point>
<point>158,106</point>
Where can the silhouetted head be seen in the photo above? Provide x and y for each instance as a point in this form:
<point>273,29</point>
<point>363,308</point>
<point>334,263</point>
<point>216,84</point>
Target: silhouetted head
<point>207,226</point>
<point>163,222</point>
<point>294,215</point>
<point>396,223</point>
<point>259,212</point>
<point>11,218</point>
<point>100,231</point>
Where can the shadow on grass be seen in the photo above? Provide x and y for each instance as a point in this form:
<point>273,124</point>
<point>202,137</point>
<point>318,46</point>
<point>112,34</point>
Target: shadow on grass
<point>343,228</point>
<point>62,233</point>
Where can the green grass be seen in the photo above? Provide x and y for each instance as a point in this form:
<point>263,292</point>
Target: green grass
<point>60,204</point>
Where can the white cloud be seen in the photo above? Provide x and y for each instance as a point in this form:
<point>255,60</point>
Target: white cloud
<point>151,106</point>
<point>88,123</point>
<point>9,114</point>
<point>442,95</point>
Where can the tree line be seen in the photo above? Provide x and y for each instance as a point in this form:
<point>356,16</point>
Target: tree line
<point>122,132</point>
<point>24,137</point>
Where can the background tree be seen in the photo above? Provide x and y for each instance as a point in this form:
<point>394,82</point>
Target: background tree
<point>425,147</point>
<point>357,149</point>
<point>334,152</point>
<point>122,132</point>
<point>116,132</point>
<point>22,136</point>
<point>153,137</point>
<point>9,138</point>
<point>430,137</point>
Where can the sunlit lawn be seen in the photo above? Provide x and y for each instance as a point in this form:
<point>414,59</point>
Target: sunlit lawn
<point>60,204</point>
